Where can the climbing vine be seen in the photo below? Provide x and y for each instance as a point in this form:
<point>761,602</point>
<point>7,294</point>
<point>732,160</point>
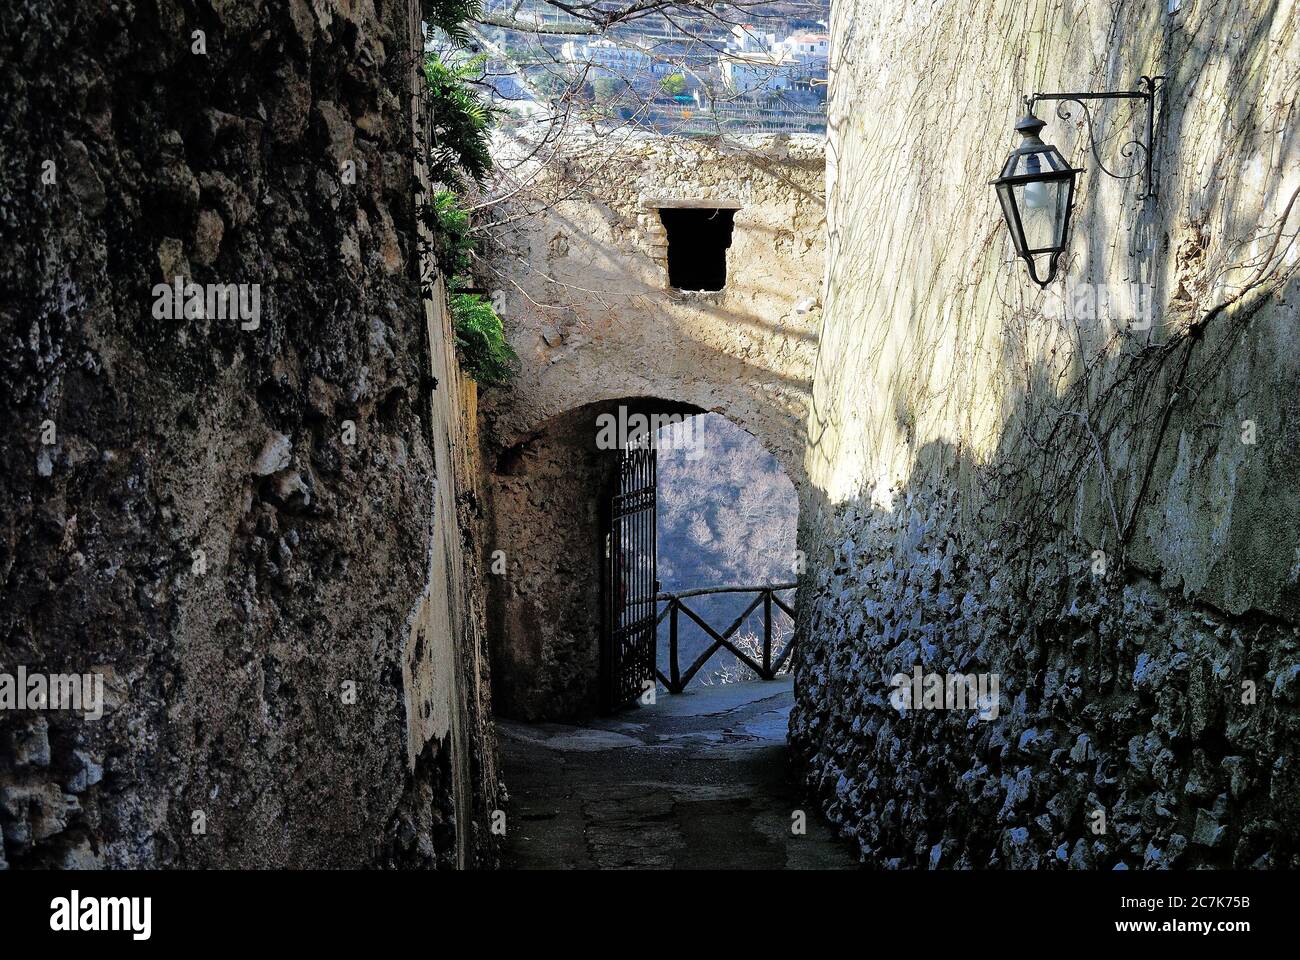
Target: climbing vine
<point>1127,389</point>
<point>481,340</point>
<point>462,119</point>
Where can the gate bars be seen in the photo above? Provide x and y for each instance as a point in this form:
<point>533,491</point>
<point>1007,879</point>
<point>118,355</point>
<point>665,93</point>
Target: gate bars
<point>630,651</point>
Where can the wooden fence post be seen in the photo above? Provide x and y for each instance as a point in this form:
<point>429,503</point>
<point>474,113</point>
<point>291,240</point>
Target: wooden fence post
<point>676,686</point>
<point>767,634</point>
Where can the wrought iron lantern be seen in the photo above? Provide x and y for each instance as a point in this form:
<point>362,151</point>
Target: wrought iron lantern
<point>1036,188</point>
<point>1036,191</point>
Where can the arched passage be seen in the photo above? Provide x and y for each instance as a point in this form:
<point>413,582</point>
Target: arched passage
<point>548,561</point>
<point>597,324</point>
<point>688,780</point>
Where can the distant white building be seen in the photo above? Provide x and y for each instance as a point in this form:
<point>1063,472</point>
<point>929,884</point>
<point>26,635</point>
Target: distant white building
<point>757,72</point>
<point>607,55</point>
<point>746,39</point>
<point>806,48</point>
<point>756,62</point>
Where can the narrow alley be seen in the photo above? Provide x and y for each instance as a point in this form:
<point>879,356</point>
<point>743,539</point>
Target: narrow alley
<point>696,781</point>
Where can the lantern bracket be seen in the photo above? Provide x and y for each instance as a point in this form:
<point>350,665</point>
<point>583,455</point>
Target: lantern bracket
<point>1149,90</point>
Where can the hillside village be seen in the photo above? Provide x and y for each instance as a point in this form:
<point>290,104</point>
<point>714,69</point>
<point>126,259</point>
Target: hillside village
<point>739,70</point>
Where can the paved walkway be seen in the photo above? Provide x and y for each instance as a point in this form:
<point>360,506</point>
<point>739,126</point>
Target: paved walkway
<point>695,781</point>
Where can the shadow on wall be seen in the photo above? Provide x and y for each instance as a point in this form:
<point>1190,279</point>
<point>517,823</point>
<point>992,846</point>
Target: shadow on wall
<point>1177,721</point>
<point>1119,557</point>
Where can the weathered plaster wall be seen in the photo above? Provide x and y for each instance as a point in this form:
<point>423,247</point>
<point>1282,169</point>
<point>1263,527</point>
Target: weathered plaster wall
<point>446,657</point>
<point>973,441</point>
<point>230,736</point>
<point>583,292</point>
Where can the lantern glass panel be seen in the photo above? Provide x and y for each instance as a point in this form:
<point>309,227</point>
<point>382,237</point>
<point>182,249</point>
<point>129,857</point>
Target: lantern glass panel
<point>1042,205</point>
<point>1013,224</point>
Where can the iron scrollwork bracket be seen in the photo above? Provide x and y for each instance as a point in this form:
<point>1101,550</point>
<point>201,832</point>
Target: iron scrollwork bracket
<point>1149,90</point>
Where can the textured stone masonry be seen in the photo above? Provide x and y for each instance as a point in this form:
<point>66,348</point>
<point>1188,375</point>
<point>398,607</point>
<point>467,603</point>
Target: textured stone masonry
<point>1102,511</point>
<point>256,590</point>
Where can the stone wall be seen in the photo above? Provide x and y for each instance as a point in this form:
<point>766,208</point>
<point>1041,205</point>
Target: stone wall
<point>583,291</point>
<point>250,530</point>
<point>1096,506</point>
<point>583,286</point>
<point>550,505</point>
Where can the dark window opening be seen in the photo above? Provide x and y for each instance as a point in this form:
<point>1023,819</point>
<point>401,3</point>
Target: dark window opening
<point>697,246</point>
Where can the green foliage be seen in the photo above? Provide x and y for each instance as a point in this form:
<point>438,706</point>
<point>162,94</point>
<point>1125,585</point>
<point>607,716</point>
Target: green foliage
<point>481,340</point>
<point>673,84</point>
<point>609,94</point>
<point>607,88</point>
<point>551,85</point>
<point>449,16</point>
<point>462,119</point>
<point>448,225</point>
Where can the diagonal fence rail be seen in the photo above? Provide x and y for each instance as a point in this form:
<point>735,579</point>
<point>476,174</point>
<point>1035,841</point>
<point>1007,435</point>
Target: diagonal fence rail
<point>767,597</point>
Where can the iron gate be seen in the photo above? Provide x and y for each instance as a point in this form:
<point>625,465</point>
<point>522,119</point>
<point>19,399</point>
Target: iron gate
<point>628,657</point>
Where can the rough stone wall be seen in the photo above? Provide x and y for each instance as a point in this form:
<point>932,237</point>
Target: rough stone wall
<point>550,505</point>
<point>583,291</point>
<point>974,441</point>
<point>183,512</point>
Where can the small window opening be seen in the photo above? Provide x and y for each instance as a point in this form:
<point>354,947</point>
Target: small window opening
<point>698,239</point>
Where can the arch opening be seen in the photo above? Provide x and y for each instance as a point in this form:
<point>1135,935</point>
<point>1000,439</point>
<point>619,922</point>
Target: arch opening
<point>727,517</point>
<point>727,512</point>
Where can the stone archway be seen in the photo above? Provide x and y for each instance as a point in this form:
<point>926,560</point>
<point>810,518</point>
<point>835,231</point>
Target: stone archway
<point>583,287</point>
<point>597,324</point>
<point>548,498</point>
